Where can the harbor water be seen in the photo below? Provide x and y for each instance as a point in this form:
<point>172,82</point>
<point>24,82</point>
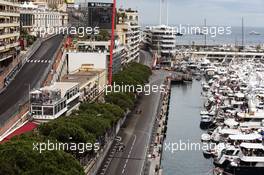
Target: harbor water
<point>183,127</point>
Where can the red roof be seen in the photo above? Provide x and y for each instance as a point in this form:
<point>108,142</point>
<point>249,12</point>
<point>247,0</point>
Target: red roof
<point>24,129</point>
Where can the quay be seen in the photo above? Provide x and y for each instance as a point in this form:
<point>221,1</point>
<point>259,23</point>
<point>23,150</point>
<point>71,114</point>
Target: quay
<point>159,133</point>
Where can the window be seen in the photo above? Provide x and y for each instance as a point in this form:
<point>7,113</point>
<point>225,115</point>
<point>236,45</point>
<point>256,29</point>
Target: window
<point>48,111</point>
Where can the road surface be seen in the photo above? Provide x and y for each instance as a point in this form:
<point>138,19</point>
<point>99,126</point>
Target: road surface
<point>136,133</point>
<point>29,76</point>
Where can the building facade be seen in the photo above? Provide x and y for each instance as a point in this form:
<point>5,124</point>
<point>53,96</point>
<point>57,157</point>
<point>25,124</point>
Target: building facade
<point>97,14</point>
<point>40,20</point>
<point>92,82</point>
<point>95,53</point>
<point>9,33</point>
<point>161,39</point>
<point>128,31</point>
<point>53,4</point>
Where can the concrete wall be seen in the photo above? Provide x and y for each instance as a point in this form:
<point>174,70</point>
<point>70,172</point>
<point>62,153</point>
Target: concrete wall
<point>75,60</point>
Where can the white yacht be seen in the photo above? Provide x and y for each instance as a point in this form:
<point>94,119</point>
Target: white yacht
<point>246,159</point>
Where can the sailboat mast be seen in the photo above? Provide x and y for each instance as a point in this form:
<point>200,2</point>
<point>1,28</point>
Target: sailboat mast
<point>205,35</point>
<point>160,12</point>
<point>243,35</point>
<point>167,3</point>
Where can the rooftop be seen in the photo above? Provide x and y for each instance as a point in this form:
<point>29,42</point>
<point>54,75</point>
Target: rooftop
<point>63,86</point>
<point>83,75</point>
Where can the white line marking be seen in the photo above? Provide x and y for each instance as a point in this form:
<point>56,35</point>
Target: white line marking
<point>129,154</point>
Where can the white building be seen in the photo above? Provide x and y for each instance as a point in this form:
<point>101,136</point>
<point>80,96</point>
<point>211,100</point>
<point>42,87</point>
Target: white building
<point>95,53</point>
<point>128,31</point>
<point>51,102</point>
<point>161,39</point>
<point>40,20</point>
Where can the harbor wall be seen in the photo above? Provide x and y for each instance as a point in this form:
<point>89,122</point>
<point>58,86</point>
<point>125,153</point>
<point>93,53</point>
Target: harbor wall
<point>152,165</point>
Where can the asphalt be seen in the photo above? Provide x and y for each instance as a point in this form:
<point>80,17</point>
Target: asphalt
<point>135,133</point>
<point>28,77</point>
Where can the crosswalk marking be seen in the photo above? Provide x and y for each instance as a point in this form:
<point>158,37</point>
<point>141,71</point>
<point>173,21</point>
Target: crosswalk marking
<point>38,61</point>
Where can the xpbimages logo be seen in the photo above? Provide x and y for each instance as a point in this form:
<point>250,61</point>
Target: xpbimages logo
<point>145,89</point>
<point>58,146</point>
<point>80,31</point>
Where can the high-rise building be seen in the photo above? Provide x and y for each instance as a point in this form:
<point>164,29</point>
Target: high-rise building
<point>9,34</point>
<point>128,31</point>
<point>161,39</point>
<point>97,14</point>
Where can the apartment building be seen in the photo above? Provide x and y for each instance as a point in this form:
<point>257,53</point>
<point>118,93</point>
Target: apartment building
<point>53,4</point>
<point>9,35</point>
<point>128,31</point>
<point>161,39</point>
<point>41,20</point>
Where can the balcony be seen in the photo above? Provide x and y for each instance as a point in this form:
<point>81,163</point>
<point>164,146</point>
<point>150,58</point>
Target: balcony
<point>10,13</point>
<point>5,56</point>
<point>167,45</point>
<point>8,46</point>
<point>8,35</point>
<point>14,24</point>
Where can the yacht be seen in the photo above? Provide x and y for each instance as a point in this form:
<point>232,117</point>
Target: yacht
<point>206,121</point>
<point>254,33</point>
<point>246,159</point>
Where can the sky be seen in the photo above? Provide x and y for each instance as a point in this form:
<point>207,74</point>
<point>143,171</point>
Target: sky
<point>193,12</point>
